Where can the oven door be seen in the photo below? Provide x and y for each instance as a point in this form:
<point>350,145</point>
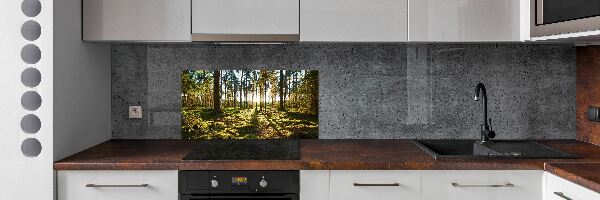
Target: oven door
<point>552,17</point>
<point>240,197</point>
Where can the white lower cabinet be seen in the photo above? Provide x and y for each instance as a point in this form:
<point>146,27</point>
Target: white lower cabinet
<point>117,185</point>
<point>560,189</point>
<point>314,184</point>
<point>375,185</point>
<point>482,185</point>
<point>341,185</point>
<point>422,184</point>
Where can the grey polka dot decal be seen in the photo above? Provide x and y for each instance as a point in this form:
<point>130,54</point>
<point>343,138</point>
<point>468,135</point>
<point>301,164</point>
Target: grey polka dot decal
<point>31,147</point>
<point>31,100</point>
<point>31,124</point>
<point>31,8</point>
<point>31,30</point>
<point>31,77</point>
<point>31,54</point>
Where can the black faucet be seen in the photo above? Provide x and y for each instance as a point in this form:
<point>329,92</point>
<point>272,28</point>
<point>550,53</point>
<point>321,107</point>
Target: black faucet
<point>486,129</point>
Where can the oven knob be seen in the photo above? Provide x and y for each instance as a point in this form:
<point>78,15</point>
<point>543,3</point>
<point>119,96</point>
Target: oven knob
<point>263,183</point>
<point>214,183</point>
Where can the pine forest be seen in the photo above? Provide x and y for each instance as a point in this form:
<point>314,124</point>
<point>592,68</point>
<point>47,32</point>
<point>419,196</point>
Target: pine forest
<point>250,104</point>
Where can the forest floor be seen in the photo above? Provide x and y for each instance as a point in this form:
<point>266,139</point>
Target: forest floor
<point>248,123</point>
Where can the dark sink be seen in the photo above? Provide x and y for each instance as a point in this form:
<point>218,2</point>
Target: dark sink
<point>471,149</point>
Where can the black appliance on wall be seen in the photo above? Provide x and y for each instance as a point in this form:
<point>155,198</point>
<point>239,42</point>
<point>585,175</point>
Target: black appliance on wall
<point>234,185</point>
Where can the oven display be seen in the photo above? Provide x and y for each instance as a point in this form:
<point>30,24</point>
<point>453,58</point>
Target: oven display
<point>239,180</point>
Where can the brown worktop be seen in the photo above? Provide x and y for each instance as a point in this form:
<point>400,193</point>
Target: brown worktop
<point>584,174</point>
<point>314,154</point>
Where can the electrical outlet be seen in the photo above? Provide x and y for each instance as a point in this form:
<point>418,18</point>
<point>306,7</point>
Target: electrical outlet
<point>135,112</point>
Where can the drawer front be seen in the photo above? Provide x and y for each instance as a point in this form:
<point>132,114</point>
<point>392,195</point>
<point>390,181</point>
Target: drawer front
<point>560,189</point>
<point>117,185</point>
<point>482,185</point>
<point>375,185</point>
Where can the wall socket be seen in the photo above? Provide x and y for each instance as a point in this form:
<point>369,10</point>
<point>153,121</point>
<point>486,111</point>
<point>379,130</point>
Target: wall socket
<point>593,114</point>
<point>135,112</point>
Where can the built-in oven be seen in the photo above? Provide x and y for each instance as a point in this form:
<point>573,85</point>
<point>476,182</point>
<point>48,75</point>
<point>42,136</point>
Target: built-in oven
<point>238,185</point>
<point>552,17</point>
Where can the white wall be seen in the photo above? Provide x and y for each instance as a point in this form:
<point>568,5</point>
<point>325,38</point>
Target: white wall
<point>24,177</point>
<point>82,89</point>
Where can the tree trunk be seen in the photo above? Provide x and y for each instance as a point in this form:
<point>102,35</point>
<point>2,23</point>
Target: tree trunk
<point>246,98</point>
<point>225,89</point>
<point>234,94</point>
<point>217,91</point>
<point>265,93</point>
<point>281,90</point>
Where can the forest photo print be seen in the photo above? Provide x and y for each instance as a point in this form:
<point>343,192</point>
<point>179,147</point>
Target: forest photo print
<point>250,104</point>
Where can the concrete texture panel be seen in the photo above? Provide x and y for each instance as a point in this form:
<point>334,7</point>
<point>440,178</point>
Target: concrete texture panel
<point>379,91</point>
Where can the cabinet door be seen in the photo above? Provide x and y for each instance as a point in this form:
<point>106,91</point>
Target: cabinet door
<point>375,185</point>
<point>117,185</point>
<point>353,21</point>
<point>314,185</point>
<point>560,189</point>
<point>482,185</point>
<point>136,20</point>
<point>468,20</point>
<point>245,17</point>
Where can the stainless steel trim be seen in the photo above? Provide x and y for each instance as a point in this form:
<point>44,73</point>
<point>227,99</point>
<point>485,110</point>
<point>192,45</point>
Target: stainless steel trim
<point>490,185</point>
<point>245,37</point>
<point>539,12</point>
<point>114,186</point>
<point>571,26</point>
<point>560,194</point>
<point>376,184</point>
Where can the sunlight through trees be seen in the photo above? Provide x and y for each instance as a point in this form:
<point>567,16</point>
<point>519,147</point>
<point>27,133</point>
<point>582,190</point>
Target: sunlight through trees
<point>250,104</point>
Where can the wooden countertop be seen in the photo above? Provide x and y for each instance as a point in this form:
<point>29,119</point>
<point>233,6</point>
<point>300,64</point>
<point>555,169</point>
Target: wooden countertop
<point>331,155</point>
<point>315,154</point>
<point>584,174</point>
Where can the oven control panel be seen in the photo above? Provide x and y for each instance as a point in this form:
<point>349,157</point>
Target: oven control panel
<point>225,182</point>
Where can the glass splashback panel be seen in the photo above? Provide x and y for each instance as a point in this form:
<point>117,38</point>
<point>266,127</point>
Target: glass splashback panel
<point>250,104</point>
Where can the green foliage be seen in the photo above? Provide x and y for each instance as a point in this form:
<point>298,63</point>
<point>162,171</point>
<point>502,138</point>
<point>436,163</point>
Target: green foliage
<point>254,104</point>
<point>236,123</point>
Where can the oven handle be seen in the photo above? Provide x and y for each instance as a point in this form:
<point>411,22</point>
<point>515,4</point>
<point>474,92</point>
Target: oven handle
<point>286,196</point>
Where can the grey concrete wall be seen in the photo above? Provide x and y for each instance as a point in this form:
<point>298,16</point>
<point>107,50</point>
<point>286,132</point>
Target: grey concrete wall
<point>369,90</point>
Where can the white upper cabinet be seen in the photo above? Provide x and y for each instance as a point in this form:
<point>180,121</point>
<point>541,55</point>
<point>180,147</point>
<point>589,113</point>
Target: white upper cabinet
<point>307,20</point>
<point>136,20</point>
<point>245,20</point>
<point>468,20</point>
<point>354,20</point>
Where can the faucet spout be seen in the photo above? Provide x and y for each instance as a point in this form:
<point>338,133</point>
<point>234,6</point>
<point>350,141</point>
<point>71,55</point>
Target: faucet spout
<point>486,132</point>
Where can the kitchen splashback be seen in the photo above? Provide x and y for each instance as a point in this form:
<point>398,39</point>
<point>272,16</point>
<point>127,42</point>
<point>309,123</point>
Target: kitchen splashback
<point>368,90</point>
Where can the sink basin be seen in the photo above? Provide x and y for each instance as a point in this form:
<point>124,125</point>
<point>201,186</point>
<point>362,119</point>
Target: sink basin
<point>471,149</point>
